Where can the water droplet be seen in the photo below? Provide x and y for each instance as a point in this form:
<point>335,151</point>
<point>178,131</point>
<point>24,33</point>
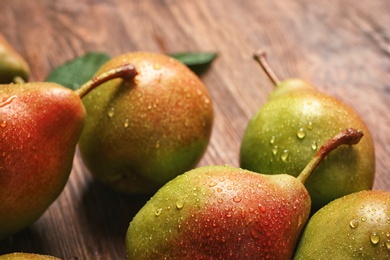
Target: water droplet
<point>157,66</point>
<point>310,125</point>
<point>179,204</point>
<point>388,245</point>
<point>363,219</point>
<point>301,133</point>
<point>354,223</point>
<point>236,199</point>
<point>111,112</point>
<point>272,141</point>
<point>3,124</point>
<point>126,124</point>
<point>157,212</point>
<point>220,200</point>
<point>275,150</point>
<point>7,101</point>
<point>262,208</point>
<point>284,155</point>
<point>374,238</point>
<point>314,145</point>
<point>212,184</point>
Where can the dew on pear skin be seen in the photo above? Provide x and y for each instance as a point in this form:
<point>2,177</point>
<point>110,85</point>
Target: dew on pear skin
<point>212,184</point>
<point>301,133</point>
<point>3,124</point>
<point>111,112</point>
<point>314,145</point>
<point>284,155</point>
<point>374,238</point>
<point>7,101</point>
<point>363,219</point>
<point>237,199</point>
<point>179,205</point>
<point>126,123</point>
<point>354,223</point>
<point>388,244</point>
<point>310,125</point>
<point>156,66</point>
<point>272,141</point>
<point>275,150</point>
<point>157,212</point>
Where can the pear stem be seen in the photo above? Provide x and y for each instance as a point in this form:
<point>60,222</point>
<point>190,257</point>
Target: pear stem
<point>261,57</point>
<point>349,136</point>
<point>125,71</point>
<point>18,80</point>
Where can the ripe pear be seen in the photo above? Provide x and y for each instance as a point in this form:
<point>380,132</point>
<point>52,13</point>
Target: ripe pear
<point>356,226</point>
<point>288,129</point>
<point>40,124</point>
<point>223,212</point>
<point>142,132</point>
<point>12,64</point>
<point>27,256</point>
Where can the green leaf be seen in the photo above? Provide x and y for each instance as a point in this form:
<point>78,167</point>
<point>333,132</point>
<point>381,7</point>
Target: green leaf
<point>196,61</point>
<point>76,72</point>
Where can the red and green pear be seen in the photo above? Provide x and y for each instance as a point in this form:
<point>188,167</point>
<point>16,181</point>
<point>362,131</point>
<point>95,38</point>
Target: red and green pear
<point>223,212</point>
<point>143,131</point>
<point>356,226</point>
<point>290,127</point>
<point>40,124</point>
<point>13,67</point>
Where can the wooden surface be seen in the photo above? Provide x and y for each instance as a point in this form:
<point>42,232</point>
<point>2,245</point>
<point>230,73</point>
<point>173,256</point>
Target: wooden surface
<point>340,46</point>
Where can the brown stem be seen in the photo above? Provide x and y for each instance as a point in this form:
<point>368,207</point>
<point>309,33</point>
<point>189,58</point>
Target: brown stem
<point>125,71</point>
<point>261,57</point>
<point>349,136</point>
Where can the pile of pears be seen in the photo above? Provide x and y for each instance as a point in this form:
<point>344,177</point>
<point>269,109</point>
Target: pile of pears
<point>149,120</point>
<point>143,123</point>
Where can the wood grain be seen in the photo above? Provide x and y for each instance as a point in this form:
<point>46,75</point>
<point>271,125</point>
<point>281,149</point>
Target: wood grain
<point>340,46</point>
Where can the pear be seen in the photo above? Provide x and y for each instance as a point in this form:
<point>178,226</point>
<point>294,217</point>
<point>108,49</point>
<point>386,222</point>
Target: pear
<point>223,212</point>
<point>356,226</point>
<point>144,131</point>
<point>287,130</point>
<point>13,67</point>
<point>40,124</point>
<point>27,256</point>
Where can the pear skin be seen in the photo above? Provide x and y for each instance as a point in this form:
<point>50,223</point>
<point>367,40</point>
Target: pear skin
<point>26,256</point>
<point>142,132</point>
<point>221,212</point>
<point>288,130</point>
<point>12,64</point>
<point>356,226</point>
<point>39,124</point>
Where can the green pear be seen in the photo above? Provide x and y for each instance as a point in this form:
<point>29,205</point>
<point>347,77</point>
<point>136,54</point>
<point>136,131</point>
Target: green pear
<point>223,212</point>
<point>356,226</point>
<point>288,129</point>
<point>40,124</point>
<point>144,131</point>
<point>27,256</point>
<point>12,64</point>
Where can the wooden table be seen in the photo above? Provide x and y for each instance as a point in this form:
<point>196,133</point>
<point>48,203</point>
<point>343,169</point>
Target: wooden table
<point>340,46</point>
